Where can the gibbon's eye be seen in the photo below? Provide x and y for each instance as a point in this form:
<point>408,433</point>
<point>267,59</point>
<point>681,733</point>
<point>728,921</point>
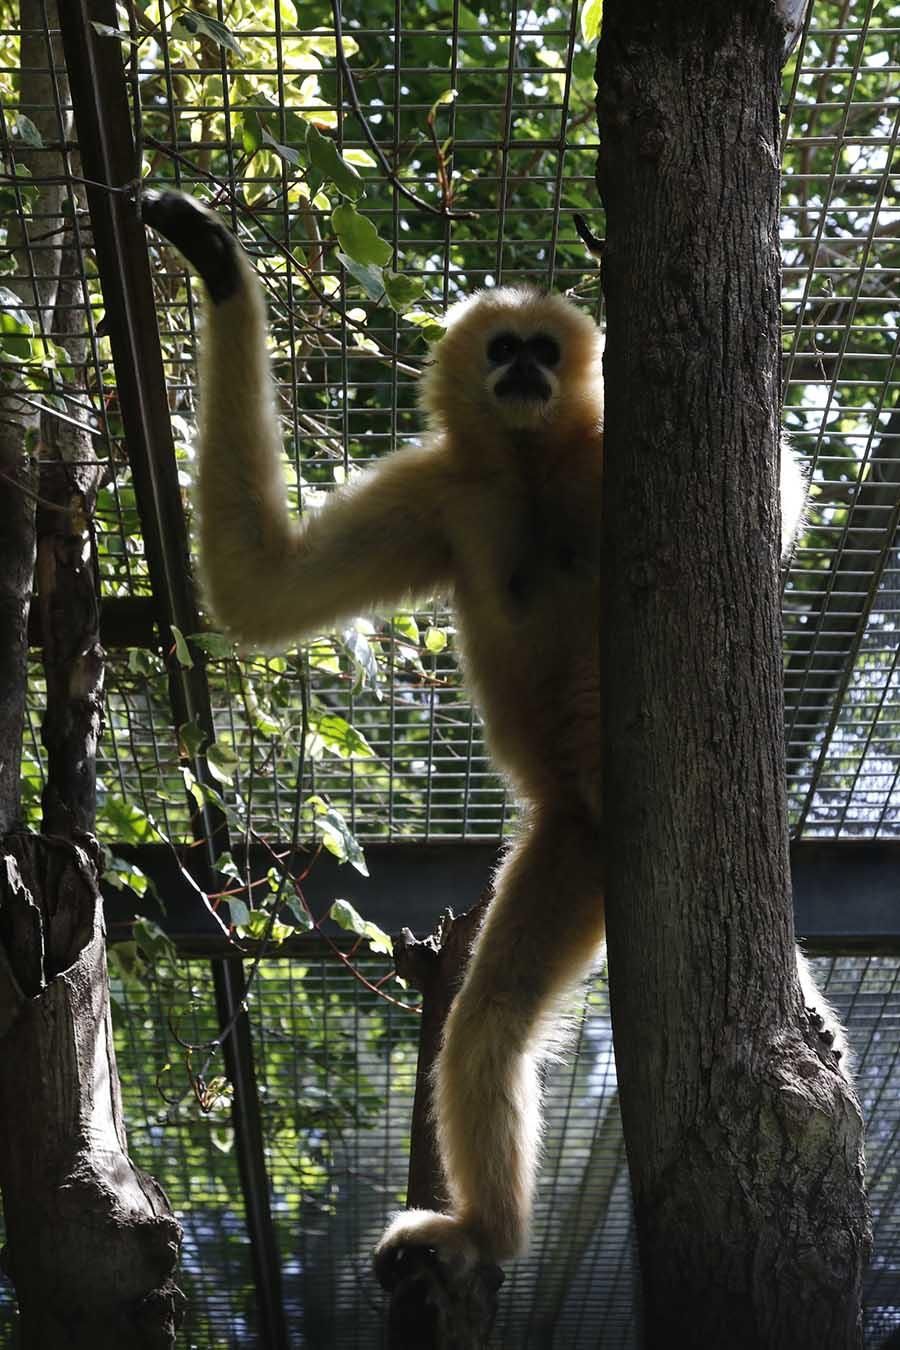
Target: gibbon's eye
<point>544,349</point>
<point>502,348</point>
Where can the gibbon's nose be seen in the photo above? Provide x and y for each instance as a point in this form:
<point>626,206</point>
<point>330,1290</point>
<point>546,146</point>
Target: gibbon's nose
<point>524,379</point>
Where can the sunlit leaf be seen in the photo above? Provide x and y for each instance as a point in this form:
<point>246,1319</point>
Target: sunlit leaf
<point>591,15</point>
<point>348,918</point>
<point>358,237</point>
<point>402,290</point>
<point>191,24</point>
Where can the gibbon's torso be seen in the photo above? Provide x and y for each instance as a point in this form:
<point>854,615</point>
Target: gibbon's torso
<point>524,536</point>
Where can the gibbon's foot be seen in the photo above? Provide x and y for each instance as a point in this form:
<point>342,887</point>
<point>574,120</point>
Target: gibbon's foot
<point>442,1234</point>
<point>440,1290</point>
<point>199,235</point>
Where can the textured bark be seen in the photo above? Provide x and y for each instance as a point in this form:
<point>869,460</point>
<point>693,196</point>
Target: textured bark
<point>427,1311</point>
<point>744,1141</point>
<point>68,593</point>
<point>18,480</point>
<point>92,1243</point>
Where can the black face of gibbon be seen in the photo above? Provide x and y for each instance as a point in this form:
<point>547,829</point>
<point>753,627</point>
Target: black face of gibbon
<point>526,360</point>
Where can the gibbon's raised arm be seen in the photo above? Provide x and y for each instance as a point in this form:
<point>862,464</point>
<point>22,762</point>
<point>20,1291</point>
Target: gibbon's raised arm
<point>267,577</point>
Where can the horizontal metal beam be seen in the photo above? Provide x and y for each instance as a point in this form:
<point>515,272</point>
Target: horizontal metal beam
<point>846,894</point>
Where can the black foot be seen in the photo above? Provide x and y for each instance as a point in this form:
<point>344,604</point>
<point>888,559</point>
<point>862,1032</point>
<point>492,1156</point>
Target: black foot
<point>199,234</point>
<point>433,1305</point>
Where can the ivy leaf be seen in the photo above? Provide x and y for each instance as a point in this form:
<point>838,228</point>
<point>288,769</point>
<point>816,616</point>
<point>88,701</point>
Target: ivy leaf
<point>359,649</point>
<point>358,237</point>
<point>348,918</point>
<point>591,14</point>
<point>28,132</point>
<point>238,912</point>
<point>369,277</point>
<point>155,944</point>
<point>402,290</point>
<point>13,317</point>
<point>337,735</point>
<point>107,30</point>
<point>285,152</point>
<point>337,836</point>
<point>222,762</point>
<point>191,739</point>
<point>327,159</point>
<point>435,640</point>
<point>300,917</point>
<point>215,645</point>
<point>182,650</point>
<point>189,24</point>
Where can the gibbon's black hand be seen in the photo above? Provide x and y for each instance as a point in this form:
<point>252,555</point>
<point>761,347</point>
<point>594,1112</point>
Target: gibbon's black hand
<point>199,234</point>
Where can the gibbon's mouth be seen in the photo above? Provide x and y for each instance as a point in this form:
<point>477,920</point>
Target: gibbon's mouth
<point>523,382</point>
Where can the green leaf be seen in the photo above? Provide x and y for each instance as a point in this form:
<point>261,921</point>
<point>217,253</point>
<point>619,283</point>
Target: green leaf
<point>28,132</point>
<point>215,645</point>
<point>14,318</point>
<point>406,626</point>
<point>107,30</point>
<point>251,132</point>
<point>337,735</point>
<point>432,329</point>
<point>238,911</point>
<point>153,942</point>
<point>358,237</point>
<point>591,14</point>
<point>228,867</point>
<point>359,649</point>
<point>348,918</point>
<point>435,640</point>
<point>326,158</point>
<point>337,836</point>
<point>448,96</point>
<point>142,662</point>
<point>189,24</point>
<point>284,152</point>
<point>300,916</point>
<point>222,762</point>
<point>191,739</point>
<point>402,290</point>
<point>182,650</point>
<point>369,277</point>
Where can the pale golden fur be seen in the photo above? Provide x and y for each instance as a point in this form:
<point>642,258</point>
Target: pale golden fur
<point>501,508</point>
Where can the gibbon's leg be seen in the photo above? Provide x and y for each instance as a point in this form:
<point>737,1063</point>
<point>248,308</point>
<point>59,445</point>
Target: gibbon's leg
<point>536,943</point>
<point>268,577</point>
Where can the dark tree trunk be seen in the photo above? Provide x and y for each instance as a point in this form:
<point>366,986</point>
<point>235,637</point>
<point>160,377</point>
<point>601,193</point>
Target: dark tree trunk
<point>91,1243</point>
<point>744,1140</point>
<point>426,1310</point>
<point>68,592</point>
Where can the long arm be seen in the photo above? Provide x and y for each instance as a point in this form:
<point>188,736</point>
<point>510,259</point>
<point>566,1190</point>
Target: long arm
<point>267,577</point>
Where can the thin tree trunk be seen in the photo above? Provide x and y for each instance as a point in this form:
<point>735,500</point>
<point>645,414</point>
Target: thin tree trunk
<point>91,1242</point>
<point>744,1139</point>
<point>426,1310</point>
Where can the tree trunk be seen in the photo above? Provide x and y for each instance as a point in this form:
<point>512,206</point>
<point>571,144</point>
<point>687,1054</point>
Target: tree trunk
<point>427,1311</point>
<point>92,1244</point>
<point>744,1139</point>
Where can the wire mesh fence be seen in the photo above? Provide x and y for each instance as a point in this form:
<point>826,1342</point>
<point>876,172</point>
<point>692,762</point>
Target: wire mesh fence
<point>472,134</point>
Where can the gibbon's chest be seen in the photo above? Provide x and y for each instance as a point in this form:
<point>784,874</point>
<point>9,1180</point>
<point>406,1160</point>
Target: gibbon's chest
<point>525,552</point>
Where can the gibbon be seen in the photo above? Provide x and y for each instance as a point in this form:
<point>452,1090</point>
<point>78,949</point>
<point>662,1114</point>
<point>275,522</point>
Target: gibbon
<point>500,507</point>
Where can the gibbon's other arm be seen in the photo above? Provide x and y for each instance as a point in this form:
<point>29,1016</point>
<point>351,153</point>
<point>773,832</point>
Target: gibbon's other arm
<point>268,578</point>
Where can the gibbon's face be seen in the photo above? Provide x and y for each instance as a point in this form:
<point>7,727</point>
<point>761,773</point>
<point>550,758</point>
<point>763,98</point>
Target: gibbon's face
<point>516,358</point>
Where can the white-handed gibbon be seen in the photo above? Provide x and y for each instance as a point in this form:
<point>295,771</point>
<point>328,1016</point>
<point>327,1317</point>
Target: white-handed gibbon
<point>499,507</point>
